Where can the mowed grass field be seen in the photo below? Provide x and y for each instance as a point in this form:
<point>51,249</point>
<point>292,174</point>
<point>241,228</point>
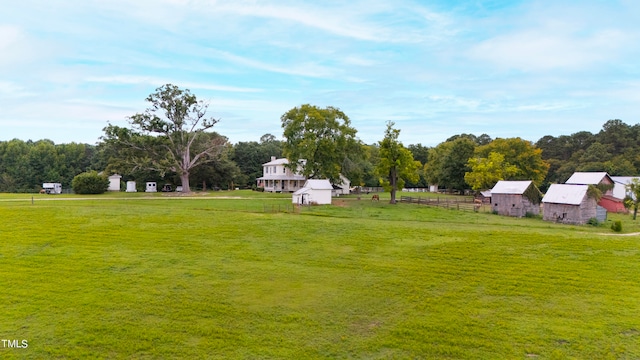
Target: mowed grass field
<point>227,276</point>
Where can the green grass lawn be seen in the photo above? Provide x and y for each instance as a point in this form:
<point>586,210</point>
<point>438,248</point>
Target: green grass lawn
<point>223,275</point>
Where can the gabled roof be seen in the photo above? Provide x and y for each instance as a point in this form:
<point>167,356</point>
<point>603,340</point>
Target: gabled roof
<point>318,184</point>
<point>511,187</point>
<point>277,162</point>
<point>588,178</point>
<point>565,194</point>
<point>624,180</point>
<point>303,190</point>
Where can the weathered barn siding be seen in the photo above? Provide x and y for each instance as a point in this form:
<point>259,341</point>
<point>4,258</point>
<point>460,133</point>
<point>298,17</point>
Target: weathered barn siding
<point>513,205</point>
<point>570,214</point>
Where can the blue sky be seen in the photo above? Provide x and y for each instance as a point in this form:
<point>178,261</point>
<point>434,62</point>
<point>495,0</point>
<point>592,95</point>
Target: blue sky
<point>436,68</point>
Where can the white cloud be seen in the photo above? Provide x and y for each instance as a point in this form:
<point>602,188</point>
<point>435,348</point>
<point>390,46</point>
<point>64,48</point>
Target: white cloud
<point>544,49</point>
<point>156,81</point>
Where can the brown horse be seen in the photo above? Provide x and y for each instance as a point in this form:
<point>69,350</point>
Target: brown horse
<point>375,198</point>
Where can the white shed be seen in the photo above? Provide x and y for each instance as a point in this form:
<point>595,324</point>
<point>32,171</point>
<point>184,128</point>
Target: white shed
<point>151,186</point>
<point>313,192</point>
<point>114,182</point>
<point>52,188</point>
<point>131,186</point>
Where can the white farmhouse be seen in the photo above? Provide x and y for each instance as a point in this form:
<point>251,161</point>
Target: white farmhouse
<point>277,177</point>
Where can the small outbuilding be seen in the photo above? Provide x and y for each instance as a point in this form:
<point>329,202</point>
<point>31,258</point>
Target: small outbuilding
<point>313,192</point>
<point>516,198</point>
<point>151,186</point>
<point>483,196</point>
<point>571,204</point>
<point>603,181</point>
<point>52,188</point>
<point>131,186</point>
<point>114,182</point>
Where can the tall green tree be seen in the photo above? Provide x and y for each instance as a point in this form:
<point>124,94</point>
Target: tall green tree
<point>323,139</point>
<point>171,135</point>
<point>250,155</point>
<point>634,188</point>
<point>486,172</point>
<point>396,162</point>
<point>447,163</point>
<point>522,154</point>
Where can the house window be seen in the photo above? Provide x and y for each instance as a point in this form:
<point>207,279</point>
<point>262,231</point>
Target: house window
<point>274,169</point>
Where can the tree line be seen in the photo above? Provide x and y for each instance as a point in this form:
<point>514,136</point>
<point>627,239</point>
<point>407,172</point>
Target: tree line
<point>172,142</point>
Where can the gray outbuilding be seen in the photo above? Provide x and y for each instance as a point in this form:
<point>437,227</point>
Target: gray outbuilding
<point>571,204</point>
<point>515,198</point>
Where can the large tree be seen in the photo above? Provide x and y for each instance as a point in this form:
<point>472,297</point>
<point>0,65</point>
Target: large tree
<point>486,172</point>
<point>447,163</point>
<point>250,155</point>
<point>522,154</point>
<point>396,162</point>
<point>171,135</point>
<point>319,142</point>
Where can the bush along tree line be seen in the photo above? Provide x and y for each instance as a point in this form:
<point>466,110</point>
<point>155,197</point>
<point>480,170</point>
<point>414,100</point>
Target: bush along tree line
<point>173,141</point>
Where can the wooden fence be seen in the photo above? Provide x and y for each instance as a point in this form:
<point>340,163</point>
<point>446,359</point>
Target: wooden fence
<point>465,204</point>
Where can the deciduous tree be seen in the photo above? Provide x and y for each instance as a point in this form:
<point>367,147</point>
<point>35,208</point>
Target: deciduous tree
<point>396,162</point>
<point>171,135</point>
<point>522,154</point>
<point>447,162</point>
<point>634,188</point>
<point>323,138</point>
<point>486,172</point>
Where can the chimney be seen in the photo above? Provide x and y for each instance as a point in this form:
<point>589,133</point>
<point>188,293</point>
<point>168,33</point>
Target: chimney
<point>273,158</point>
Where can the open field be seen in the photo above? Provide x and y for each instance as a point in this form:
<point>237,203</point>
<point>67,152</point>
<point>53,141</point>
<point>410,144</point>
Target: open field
<point>221,275</point>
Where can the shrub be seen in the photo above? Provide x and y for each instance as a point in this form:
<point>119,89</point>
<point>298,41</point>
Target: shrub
<point>593,221</point>
<point>260,189</point>
<point>90,183</point>
<point>616,226</point>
